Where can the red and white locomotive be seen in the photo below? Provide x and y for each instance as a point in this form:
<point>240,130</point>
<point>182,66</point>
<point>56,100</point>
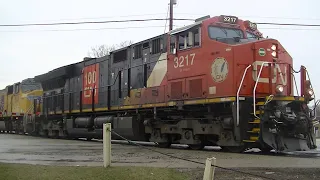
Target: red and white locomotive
<point>214,82</point>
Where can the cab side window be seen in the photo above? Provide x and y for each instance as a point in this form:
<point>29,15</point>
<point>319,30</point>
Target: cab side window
<point>187,39</point>
<point>172,43</point>
<point>183,41</point>
<point>196,37</point>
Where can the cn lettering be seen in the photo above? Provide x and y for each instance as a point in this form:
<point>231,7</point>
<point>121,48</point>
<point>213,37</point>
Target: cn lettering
<point>276,70</point>
<point>220,77</point>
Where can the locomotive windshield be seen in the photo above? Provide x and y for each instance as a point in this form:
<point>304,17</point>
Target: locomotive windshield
<point>226,35</point>
<point>251,36</point>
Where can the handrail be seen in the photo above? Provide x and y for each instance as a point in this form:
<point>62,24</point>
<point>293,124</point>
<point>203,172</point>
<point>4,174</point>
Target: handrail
<point>73,92</point>
<point>255,87</point>
<point>29,109</point>
<point>295,84</point>
<point>238,92</point>
<point>314,95</point>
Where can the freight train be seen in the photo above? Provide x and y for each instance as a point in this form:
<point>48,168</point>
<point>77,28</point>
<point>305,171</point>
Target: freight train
<point>215,82</point>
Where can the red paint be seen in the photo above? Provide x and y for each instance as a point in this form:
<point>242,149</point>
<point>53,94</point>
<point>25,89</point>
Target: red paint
<point>90,81</point>
<point>198,62</point>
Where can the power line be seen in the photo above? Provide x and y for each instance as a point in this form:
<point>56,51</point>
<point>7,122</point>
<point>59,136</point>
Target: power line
<point>177,13</point>
<point>293,29</point>
<point>140,20</point>
<point>292,18</point>
<point>105,17</point>
<point>89,29</point>
<point>133,27</point>
<point>262,17</point>
<point>92,22</point>
<point>288,24</point>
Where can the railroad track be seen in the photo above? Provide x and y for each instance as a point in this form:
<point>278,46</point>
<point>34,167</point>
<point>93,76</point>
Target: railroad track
<point>253,151</point>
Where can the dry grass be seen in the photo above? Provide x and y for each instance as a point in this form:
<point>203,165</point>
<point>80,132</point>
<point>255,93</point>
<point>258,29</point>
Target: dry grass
<point>40,172</point>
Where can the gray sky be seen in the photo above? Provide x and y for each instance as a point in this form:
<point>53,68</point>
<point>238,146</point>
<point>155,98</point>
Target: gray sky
<point>29,51</point>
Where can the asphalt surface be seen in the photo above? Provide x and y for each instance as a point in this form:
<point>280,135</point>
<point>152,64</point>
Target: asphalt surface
<point>34,150</point>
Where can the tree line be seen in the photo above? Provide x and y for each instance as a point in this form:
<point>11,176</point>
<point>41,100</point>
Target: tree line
<point>103,50</point>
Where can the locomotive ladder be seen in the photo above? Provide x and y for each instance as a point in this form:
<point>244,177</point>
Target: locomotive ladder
<point>254,127</point>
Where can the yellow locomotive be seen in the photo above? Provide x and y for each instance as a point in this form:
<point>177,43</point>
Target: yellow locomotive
<point>17,105</point>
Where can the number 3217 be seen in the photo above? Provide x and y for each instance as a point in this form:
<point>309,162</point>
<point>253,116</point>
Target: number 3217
<point>184,60</point>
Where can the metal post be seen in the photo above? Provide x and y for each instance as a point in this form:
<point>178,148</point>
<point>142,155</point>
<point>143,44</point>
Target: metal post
<point>107,145</point>
<point>209,169</point>
<point>171,15</point>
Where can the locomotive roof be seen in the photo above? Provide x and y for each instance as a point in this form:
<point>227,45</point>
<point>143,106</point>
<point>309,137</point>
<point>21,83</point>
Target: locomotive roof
<point>55,73</point>
<point>66,70</point>
<point>184,28</point>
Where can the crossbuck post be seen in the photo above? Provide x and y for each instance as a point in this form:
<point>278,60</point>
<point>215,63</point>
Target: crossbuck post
<point>209,169</point>
<point>106,144</point>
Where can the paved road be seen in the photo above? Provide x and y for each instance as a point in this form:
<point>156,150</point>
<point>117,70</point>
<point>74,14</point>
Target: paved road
<point>33,150</point>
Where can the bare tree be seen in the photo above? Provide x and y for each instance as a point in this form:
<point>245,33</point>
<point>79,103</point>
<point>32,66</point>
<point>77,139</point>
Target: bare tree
<point>103,50</point>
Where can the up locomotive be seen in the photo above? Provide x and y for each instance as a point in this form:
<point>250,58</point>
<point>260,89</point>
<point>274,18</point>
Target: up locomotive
<point>216,82</point>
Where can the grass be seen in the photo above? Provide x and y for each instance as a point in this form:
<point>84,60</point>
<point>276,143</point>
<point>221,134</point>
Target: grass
<point>40,172</point>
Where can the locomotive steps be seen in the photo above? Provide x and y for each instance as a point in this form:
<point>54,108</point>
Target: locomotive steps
<point>254,123</point>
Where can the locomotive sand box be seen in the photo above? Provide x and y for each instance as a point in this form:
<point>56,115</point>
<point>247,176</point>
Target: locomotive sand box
<point>215,82</point>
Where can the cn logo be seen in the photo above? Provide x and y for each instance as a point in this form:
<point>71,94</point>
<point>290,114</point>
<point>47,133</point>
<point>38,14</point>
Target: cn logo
<point>219,69</point>
<point>277,70</point>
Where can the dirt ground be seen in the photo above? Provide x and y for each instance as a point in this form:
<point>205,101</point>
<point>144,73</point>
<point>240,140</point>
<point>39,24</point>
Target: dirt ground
<point>33,150</point>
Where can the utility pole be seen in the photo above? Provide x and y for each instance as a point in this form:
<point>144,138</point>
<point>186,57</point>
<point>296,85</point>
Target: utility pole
<point>172,2</point>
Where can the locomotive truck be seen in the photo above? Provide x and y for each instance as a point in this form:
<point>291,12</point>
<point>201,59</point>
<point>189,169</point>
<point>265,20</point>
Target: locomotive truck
<point>217,82</point>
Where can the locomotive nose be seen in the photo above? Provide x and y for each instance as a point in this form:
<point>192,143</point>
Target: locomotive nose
<point>270,50</point>
<point>271,67</point>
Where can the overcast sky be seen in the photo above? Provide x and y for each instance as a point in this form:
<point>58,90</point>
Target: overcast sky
<point>29,51</point>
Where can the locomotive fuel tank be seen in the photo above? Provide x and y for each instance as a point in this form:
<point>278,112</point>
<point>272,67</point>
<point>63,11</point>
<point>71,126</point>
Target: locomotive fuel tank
<point>99,121</point>
<point>87,127</point>
<point>83,122</point>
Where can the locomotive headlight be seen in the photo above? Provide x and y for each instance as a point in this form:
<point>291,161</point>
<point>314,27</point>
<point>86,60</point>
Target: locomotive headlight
<point>274,47</point>
<point>274,54</point>
<point>310,92</point>
<point>279,89</point>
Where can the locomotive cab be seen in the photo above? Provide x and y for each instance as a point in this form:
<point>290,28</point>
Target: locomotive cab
<point>19,104</point>
<point>226,57</point>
